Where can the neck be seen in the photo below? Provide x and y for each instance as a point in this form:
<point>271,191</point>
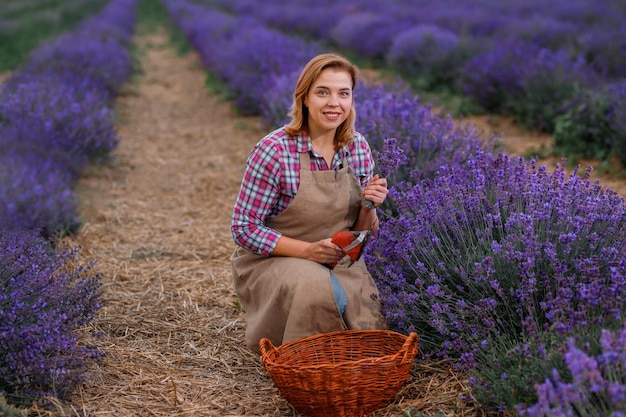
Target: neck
<point>324,145</point>
<point>323,140</point>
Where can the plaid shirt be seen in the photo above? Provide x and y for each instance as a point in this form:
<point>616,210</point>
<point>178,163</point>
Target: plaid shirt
<point>271,181</point>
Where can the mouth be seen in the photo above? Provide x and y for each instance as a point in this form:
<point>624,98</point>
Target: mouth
<point>332,115</point>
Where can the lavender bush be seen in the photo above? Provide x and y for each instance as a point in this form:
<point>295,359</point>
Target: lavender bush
<point>594,127</point>
<point>81,84</point>
<point>543,30</point>
<point>254,57</point>
<point>617,117</point>
<point>23,28</point>
<point>206,29</point>
<point>308,22</point>
<point>604,47</point>
<point>586,129</point>
<point>597,387</point>
<point>591,33</point>
<point>425,52</point>
<point>522,79</point>
<point>35,188</point>
<point>368,34</point>
<point>277,101</point>
<point>97,48</point>
<point>495,262</point>
<point>54,118</point>
<point>465,19</point>
<point>104,60</point>
<point>247,55</point>
<point>64,118</point>
<point>429,141</point>
<point>46,299</point>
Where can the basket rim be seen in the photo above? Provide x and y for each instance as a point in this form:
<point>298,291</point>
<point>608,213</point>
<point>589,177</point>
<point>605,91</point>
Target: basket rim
<point>408,350</point>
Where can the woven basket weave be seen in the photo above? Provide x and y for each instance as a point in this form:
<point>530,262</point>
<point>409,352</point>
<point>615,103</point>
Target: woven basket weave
<point>340,374</point>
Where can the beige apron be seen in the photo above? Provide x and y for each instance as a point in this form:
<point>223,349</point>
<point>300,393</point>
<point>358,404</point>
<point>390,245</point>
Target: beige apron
<point>288,298</point>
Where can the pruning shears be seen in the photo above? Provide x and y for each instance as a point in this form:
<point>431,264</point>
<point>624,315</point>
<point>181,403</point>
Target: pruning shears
<point>352,243</point>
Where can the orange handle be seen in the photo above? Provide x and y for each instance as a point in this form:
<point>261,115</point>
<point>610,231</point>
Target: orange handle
<point>410,346</point>
<point>266,347</point>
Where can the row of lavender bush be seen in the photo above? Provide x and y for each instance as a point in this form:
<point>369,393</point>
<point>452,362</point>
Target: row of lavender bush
<point>509,270</point>
<point>56,117</point>
<point>556,66</point>
<point>24,24</point>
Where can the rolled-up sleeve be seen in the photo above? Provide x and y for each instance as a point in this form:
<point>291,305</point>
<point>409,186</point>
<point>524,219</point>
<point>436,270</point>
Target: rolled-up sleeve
<point>362,159</point>
<point>259,191</point>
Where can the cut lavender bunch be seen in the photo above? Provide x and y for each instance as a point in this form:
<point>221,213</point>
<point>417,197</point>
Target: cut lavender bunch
<point>389,159</point>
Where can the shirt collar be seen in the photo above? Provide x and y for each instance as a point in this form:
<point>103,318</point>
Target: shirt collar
<point>303,144</point>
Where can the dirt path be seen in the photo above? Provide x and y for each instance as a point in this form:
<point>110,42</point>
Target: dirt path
<point>158,224</point>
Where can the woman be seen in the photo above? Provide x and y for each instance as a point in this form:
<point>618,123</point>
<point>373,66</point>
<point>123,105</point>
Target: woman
<point>303,183</point>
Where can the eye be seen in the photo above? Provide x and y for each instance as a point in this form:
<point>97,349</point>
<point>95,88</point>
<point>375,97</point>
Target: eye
<point>322,93</point>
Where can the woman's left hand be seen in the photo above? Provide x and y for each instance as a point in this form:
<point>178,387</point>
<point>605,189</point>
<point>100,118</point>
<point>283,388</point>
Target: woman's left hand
<point>376,190</point>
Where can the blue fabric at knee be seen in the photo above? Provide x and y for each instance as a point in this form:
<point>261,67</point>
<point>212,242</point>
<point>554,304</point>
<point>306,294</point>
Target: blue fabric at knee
<point>340,294</point>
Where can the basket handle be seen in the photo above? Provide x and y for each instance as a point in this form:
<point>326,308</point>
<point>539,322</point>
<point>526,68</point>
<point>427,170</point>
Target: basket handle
<point>410,346</point>
<point>266,347</point>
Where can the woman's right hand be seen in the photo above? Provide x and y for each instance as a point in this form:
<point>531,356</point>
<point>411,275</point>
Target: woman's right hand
<point>325,252</point>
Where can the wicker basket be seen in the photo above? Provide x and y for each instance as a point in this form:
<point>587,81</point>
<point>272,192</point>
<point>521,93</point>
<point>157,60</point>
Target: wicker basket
<point>340,374</point>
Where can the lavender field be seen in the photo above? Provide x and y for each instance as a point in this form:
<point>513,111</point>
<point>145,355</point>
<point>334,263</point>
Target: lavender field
<point>511,272</point>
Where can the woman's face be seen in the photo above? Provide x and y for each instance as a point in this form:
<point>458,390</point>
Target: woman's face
<point>329,101</point>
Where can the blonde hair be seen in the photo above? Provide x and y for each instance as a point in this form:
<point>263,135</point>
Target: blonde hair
<point>299,113</point>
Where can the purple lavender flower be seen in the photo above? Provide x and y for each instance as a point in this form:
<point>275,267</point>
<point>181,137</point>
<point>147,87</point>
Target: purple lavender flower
<point>102,59</point>
<point>604,44</point>
<point>278,99</point>
<point>69,120</point>
<point>427,140</point>
<point>254,57</point>
<point>390,157</point>
<point>597,387</point>
<point>35,188</point>
<point>44,304</point>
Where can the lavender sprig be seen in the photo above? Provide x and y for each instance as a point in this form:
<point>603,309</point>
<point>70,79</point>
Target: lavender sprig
<point>389,158</point>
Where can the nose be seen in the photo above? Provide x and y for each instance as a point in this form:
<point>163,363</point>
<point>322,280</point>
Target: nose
<point>333,100</point>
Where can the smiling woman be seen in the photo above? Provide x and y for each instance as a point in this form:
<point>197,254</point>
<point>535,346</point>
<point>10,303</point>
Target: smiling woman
<point>329,103</point>
<point>315,164</point>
